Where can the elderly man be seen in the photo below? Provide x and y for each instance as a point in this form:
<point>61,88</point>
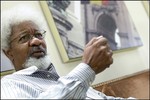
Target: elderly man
<point>35,77</point>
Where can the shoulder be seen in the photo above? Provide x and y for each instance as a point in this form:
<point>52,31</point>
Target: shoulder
<point>18,75</point>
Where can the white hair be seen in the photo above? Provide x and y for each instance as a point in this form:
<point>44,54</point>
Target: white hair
<point>41,63</point>
<point>14,16</point>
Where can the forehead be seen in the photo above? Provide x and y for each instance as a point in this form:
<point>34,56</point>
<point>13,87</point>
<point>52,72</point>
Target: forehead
<point>26,25</point>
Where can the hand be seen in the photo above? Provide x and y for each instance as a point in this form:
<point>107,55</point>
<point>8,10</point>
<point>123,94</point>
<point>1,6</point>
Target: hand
<point>97,54</point>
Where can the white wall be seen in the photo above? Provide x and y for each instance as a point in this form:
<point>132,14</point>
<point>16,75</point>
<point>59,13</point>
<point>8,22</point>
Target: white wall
<point>125,62</point>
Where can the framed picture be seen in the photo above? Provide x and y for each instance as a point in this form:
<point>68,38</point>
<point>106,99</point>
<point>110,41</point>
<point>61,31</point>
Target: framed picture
<point>146,5</point>
<point>74,23</point>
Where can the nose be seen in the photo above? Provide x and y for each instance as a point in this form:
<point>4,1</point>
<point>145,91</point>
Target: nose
<point>35,42</point>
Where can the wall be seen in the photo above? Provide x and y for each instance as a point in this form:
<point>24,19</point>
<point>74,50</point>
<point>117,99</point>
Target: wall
<point>125,62</point>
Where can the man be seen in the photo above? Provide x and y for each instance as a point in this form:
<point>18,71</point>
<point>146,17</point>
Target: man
<point>35,77</point>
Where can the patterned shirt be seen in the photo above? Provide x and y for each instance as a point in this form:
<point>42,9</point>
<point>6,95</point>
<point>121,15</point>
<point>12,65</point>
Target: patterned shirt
<point>34,83</point>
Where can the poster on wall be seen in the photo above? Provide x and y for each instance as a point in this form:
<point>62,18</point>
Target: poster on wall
<point>74,23</point>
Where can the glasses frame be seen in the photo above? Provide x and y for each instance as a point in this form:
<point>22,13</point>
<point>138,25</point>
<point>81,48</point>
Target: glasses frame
<point>31,35</point>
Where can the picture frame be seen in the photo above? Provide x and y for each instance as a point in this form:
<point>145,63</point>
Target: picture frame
<point>74,23</point>
<point>58,39</point>
<point>146,6</point>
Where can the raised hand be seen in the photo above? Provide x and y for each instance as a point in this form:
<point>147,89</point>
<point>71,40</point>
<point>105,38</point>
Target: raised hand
<point>97,54</point>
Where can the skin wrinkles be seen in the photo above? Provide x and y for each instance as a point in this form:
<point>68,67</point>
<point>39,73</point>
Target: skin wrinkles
<point>20,53</point>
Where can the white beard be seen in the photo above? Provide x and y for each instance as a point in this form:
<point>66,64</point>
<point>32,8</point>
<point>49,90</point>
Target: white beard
<point>41,63</point>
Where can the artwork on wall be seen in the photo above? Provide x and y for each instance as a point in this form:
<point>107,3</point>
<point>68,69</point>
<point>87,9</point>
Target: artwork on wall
<point>75,23</point>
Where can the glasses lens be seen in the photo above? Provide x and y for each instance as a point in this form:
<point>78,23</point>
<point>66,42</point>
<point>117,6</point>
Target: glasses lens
<point>40,34</point>
<point>24,38</point>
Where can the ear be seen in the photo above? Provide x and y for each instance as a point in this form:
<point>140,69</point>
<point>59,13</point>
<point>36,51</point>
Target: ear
<point>9,54</point>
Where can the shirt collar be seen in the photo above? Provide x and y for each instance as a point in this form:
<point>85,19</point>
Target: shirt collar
<point>27,71</point>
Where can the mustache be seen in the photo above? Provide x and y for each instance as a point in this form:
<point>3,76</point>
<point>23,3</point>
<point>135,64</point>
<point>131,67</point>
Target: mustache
<point>35,49</point>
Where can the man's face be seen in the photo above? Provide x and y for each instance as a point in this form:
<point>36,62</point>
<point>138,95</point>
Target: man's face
<point>20,50</point>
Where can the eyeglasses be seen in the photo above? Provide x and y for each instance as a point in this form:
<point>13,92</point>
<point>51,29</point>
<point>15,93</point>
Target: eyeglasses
<point>26,36</point>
